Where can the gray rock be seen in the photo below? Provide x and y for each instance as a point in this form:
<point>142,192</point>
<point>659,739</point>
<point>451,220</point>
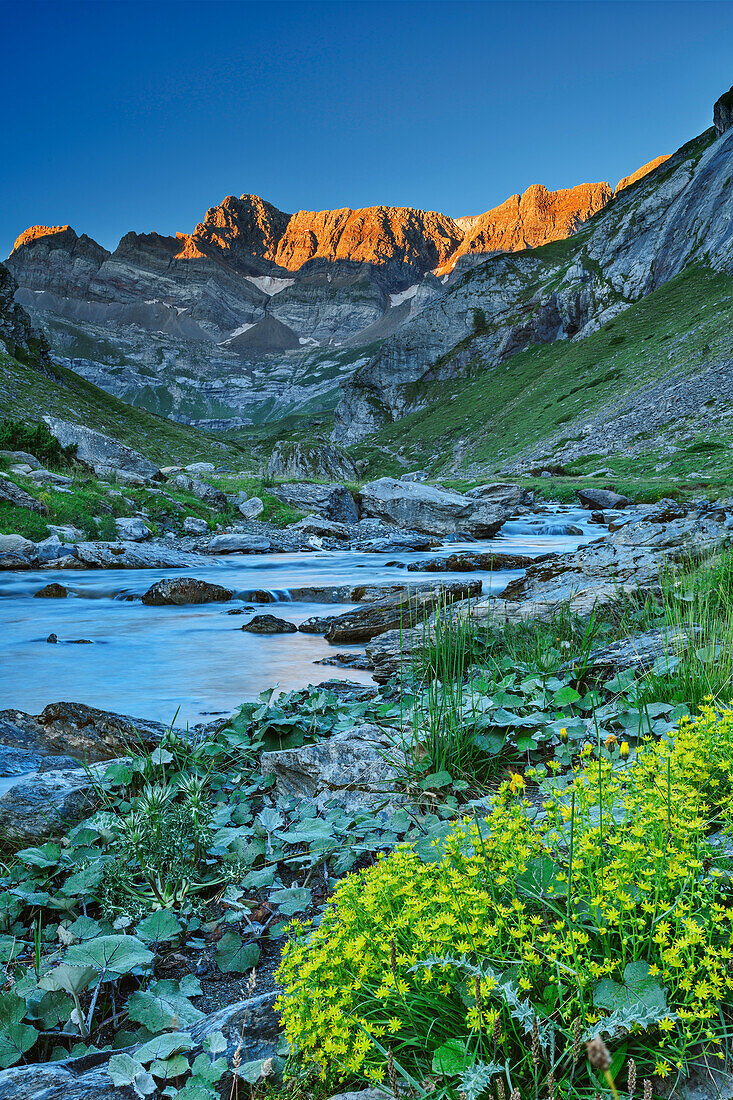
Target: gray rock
<point>503,494</point>
<point>67,1080</point>
<point>66,534</point>
<point>122,477</point>
<point>250,1027</point>
<point>311,460</point>
<point>394,544</point>
<point>192,525</point>
<point>75,727</point>
<point>416,475</point>
<point>133,529</point>
<point>331,501</point>
<point>251,508</point>
<point>21,456</point>
<point>363,1094</point>
<point>317,525</point>
<point>52,550</point>
<point>185,590</point>
<point>723,113</point>
<point>200,468</point>
<point>638,652</point>
<point>235,543</point>
<point>427,508</point>
<point>602,498</point>
<point>48,477</point>
<point>210,495</point>
<point>357,770</point>
<point>97,449</point>
<point>16,544</point>
<point>130,555</point>
<point>43,805</point>
<point>269,624</point>
<point>470,561</point>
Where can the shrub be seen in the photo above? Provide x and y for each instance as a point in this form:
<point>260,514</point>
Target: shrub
<point>606,915</point>
<point>35,439</point>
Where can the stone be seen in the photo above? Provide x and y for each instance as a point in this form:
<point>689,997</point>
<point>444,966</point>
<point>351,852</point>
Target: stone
<point>251,508</point>
<point>52,550</point>
<point>48,477</point>
<point>86,731</point>
<point>317,525</point>
<point>47,804</point>
<point>501,493</point>
<point>358,769</point>
<point>638,652</point>
<point>66,533</point>
<point>470,561</point>
<point>723,113</point>
<point>331,501</point>
<point>236,543</point>
<point>395,544</point>
<point>415,475</point>
<point>192,525</point>
<point>602,498</point>
<point>70,1079</point>
<point>309,461</point>
<point>122,477</point>
<point>22,457</point>
<point>53,591</point>
<point>185,590</point>
<point>96,449</point>
<point>429,509</point>
<point>133,529</point>
<point>402,611</point>
<point>210,495</point>
<point>269,624</point>
<point>16,544</point>
<point>10,493</point>
<point>200,468</point>
<point>130,555</point>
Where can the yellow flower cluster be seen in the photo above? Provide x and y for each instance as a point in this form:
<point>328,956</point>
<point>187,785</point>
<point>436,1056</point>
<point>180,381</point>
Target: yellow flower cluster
<point>504,901</point>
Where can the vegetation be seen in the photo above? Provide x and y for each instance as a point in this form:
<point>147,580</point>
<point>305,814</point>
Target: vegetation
<point>35,439</point>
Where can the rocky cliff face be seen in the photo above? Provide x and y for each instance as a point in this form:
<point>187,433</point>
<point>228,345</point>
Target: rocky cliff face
<point>678,215</point>
<point>252,313</point>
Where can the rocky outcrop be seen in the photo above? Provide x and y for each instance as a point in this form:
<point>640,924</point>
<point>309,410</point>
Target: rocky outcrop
<point>421,507</point>
<point>311,460</point>
<point>269,624</point>
<point>101,451</point>
<point>639,174</point>
<point>86,731</point>
<point>723,113</point>
<point>11,493</point>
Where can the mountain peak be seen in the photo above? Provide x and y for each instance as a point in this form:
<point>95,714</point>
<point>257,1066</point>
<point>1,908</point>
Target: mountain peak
<point>35,232</point>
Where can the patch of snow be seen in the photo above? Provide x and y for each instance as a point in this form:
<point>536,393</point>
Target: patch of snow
<point>268,284</point>
<point>239,331</point>
<point>398,299</point>
<point>308,341</point>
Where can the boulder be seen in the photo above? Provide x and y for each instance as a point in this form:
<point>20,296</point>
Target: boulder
<point>200,468</point>
<point>469,561</point>
<point>638,652</point>
<point>311,460</point>
<point>269,624</point>
<point>132,529</point>
<point>501,493</point>
<point>129,555</point>
<point>70,1079</point>
<point>430,509</point>
<point>602,498</point>
<point>96,449</point>
<point>395,544</point>
<point>331,501</point>
<point>210,495</point>
<point>415,475</point>
<point>22,457</point>
<point>122,477</point>
<point>75,727</point>
<point>238,543</point>
<point>52,550</point>
<point>317,525</point>
<point>251,508</point>
<point>192,525</point>
<point>48,477</point>
<point>393,612</point>
<point>185,590</point>
<point>358,770</point>
<point>10,493</point>
<point>47,804</point>
<point>17,544</point>
<point>53,591</point>
<point>66,534</point>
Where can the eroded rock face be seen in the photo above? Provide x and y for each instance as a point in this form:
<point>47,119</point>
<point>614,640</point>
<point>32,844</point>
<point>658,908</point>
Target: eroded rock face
<point>97,449</point>
<point>723,113</point>
<point>334,502</point>
<point>311,460</point>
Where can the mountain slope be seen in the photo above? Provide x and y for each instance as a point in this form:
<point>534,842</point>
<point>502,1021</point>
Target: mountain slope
<point>679,214</point>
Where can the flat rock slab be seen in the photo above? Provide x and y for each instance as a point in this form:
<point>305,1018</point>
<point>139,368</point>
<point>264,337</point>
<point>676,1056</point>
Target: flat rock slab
<point>185,590</point>
<point>77,728</point>
<point>365,623</point>
<point>238,544</point>
<point>129,555</point>
<point>47,804</point>
<point>472,562</point>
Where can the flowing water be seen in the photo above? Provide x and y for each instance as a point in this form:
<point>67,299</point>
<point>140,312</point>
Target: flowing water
<point>195,661</point>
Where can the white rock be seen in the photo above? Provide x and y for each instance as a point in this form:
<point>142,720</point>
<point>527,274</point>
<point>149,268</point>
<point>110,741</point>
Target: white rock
<point>251,508</point>
<point>16,544</point>
<point>192,525</point>
<point>200,468</point>
<point>132,529</point>
<point>234,543</point>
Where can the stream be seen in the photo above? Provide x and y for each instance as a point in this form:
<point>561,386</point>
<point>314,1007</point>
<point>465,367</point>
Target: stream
<point>193,663</point>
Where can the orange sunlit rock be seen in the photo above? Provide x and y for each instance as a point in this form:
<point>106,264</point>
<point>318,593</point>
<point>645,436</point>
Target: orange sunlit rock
<point>641,172</point>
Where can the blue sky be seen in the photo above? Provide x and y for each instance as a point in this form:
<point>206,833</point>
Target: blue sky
<point>119,115</point>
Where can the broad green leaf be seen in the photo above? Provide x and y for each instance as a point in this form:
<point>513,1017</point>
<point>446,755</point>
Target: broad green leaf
<point>261,1068</point>
<point>452,1058</point>
<point>208,1072</point>
<point>162,1007</point>
<point>72,979</point>
<point>175,1066</point>
<point>665,665</point>
<point>565,696</point>
<point>114,954</point>
<point>47,855</point>
<point>234,956</point>
<point>215,1043</point>
<point>436,780</point>
<point>15,1040</point>
<point>295,899</point>
<point>159,927</point>
<point>639,990</point>
<point>83,882</point>
<point>164,1046</point>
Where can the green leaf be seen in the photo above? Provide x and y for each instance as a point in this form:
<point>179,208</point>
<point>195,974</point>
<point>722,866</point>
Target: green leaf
<point>72,979</point>
<point>208,1072</point>
<point>47,855</point>
<point>126,1070</point>
<point>162,1007</point>
<point>295,899</point>
<point>436,780</point>
<point>163,1046</point>
<point>83,882</point>
<point>159,927</point>
<point>170,1067</point>
<point>565,696</point>
<point>620,682</point>
<point>452,1058</point>
<point>234,956</point>
<point>114,954</point>
<point>665,665</point>
<point>215,1043</point>
<point>258,1070</point>
<point>15,1040</point>
<point>639,990</point>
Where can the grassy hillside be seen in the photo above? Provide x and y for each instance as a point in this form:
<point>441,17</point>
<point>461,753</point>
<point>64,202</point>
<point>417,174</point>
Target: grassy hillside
<point>544,396</point>
<point>26,393</point>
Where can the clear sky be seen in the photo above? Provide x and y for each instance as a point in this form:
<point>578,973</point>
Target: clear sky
<point>124,115</point>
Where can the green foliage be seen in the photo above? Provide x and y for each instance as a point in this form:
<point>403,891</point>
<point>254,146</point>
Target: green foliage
<point>35,438</point>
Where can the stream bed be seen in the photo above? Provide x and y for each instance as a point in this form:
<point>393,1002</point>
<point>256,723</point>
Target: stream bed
<point>193,663</point>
